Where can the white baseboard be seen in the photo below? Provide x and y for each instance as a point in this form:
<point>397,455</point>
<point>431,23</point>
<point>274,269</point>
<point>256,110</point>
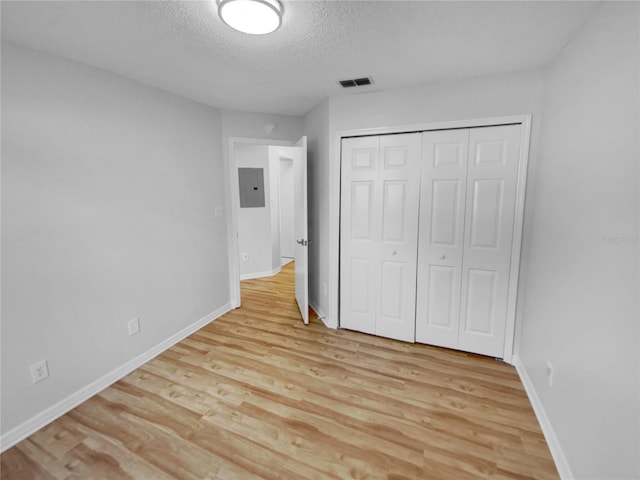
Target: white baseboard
<point>269,273</point>
<point>321,315</point>
<point>547,429</point>
<point>35,423</point>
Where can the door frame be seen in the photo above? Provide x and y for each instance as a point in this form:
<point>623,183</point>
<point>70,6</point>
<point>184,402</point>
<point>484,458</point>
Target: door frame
<point>233,202</point>
<point>334,207</point>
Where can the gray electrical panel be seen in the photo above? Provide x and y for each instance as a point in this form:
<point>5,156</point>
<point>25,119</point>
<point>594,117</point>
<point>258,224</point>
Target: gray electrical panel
<point>251,187</point>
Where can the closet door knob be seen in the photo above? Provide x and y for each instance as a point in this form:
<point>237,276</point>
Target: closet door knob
<point>394,252</point>
<point>442,257</point>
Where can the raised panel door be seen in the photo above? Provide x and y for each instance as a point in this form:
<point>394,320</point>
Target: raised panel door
<point>494,158</point>
<point>378,234</point>
<point>442,203</point>
<point>397,250</point>
<point>359,225</point>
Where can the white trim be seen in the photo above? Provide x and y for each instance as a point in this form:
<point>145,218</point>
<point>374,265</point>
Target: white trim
<point>547,429</point>
<point>516,241</point>
<point>268,273</point>
<point>334,206</point>
<point>321,315</point>
<point>425,127</point>
<point>35,423</point>
<point>232,233</point>
<point>333,282</point>
<point>231,172</point>
<point>286,262</point>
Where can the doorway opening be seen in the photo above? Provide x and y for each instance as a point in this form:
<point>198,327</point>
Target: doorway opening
<point>268,213</point>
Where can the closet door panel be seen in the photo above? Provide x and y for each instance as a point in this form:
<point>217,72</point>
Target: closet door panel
<point>362,210</point>
<point>480,300</point>
<point>378,234</point>
<point>394,209</point>
<point>360,271</point>
<point>442,203</point>
<point>359,264</point>
<point>442,296</point>
<point>487,203</point>
<point>391,291</point>
<point>400,193</point>
<point>494,157</point>
<point>445,217</point>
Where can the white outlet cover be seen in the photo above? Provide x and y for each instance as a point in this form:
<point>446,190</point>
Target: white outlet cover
<point>39,371</point>
<point>134,326</point>
<point>218,211</point>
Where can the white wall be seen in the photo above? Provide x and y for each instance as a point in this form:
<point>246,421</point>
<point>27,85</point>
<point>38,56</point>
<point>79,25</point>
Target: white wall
<point>108,196</point>
<point>251,125</point>
<point>255,223</point>
<point>259,229</point>
<point>478,98</point>
<point>316,128</point>
<point>286,210</point>
<point>581,262</point>
<point>274,207</point>
<point>282,212</point>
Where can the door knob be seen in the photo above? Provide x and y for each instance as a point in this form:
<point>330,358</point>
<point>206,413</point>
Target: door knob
<point>442,257</point>
<point>394,252</point>
<point>302,242</point>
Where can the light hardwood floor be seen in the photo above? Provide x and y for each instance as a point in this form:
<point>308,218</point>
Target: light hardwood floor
<point>257,394</point>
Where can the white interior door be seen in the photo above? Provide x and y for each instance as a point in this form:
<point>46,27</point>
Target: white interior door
<point>442,207</point>
<point>494,158</point>
<point>379,233</point>
<point>301,229</point>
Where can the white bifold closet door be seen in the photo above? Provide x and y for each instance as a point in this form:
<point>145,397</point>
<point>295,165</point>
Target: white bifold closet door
<point>469,180</point>
<point>444,188</point>
<point>379,234</point>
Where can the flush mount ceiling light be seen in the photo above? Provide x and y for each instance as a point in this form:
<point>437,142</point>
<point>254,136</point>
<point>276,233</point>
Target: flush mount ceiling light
<point>255,17</point>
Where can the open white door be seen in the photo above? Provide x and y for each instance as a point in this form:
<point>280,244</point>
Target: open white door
<point>300,227</point>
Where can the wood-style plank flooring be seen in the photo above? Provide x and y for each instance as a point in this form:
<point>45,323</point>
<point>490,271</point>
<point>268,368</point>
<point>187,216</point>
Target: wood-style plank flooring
<point>257,394</point>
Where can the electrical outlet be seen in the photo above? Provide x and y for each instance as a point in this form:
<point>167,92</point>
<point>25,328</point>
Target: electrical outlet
<point>39,371</point>
<point>550,373</point>
<point>324,288</point>
<point>245,257</point>
<point>218,211</point>
<point>134,326</point>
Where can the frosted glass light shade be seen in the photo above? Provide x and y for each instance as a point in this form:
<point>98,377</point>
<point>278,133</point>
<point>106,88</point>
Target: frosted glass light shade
<point>256,17</point>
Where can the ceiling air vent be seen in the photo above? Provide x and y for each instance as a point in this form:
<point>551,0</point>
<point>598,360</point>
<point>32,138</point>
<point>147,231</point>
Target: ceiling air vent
<point>356,82</point>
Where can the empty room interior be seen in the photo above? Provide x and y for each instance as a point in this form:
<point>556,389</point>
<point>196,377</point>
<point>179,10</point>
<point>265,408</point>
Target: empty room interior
<point>285,239</point>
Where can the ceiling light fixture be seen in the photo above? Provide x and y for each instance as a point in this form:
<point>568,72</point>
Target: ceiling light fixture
<point>256,17</point>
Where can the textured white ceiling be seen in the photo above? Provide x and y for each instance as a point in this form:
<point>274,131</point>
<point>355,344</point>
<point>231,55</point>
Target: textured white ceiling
<point>183,47</point>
